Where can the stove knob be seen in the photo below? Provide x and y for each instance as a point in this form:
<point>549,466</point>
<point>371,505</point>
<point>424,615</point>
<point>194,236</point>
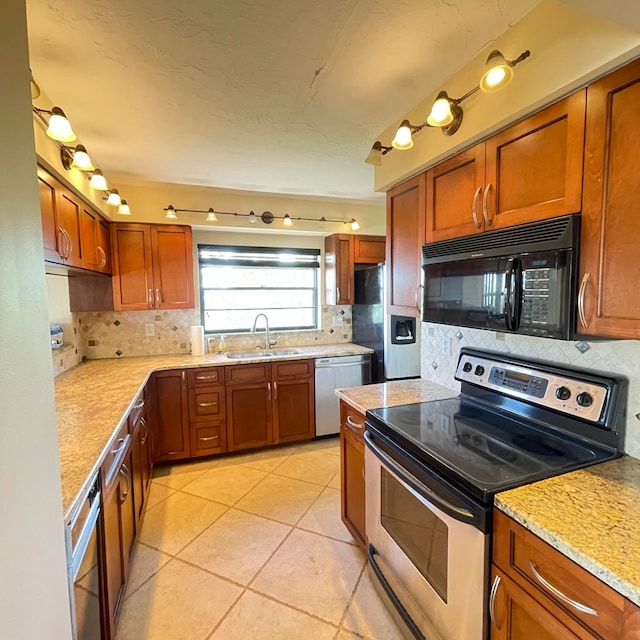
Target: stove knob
<point>467,367</point>
<point>584,399</point>
<point>563,393</point>
<point>479,370</point>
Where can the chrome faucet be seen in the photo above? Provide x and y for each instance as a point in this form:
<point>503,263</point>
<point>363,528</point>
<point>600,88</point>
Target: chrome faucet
<point>267,341</point>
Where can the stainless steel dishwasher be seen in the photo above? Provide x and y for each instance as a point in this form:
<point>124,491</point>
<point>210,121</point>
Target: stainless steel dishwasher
<point>337,373</point>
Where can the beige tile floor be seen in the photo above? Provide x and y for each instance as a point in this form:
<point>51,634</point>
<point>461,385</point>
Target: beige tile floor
<point>251,547</point>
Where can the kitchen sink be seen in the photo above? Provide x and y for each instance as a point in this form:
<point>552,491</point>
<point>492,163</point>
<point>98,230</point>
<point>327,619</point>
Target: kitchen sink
<point>253,355</point>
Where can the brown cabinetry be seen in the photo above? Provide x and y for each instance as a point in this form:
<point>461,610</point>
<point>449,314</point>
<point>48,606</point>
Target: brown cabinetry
<point>95,241</point>
<point>528,172</point>
<point>207,411</point>
<point>352,472</point>
<point>269,403</point>
<point>153,267</point>
<point>405,237</point>
<point>540,593</point>
<point>141,456</point>
<point>170,415</point>
<point>341,253</point>
<point>608,303</point>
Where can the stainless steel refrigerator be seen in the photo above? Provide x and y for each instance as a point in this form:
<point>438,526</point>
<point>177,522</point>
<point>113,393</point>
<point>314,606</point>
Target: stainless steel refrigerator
<point>394,339</point>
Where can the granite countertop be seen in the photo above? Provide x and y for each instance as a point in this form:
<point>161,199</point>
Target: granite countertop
<point>94,398</point>
<point>391,394</point>
<point>592,516</point>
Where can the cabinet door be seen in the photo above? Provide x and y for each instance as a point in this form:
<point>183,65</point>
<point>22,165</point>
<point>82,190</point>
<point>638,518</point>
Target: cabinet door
<point>249,422</point>
<point>114,579</point>
<point>609,267</point>
<point>294,410</point>
<point>171,416</point>
<point>51,234</point>
<point>172,267</point>
<point>454,196</point>
<point>405,237</point>
<point>68,213</point>
<point>517,616</point>
<point>104,246</point>
<point>132,271</point>
<point>352,483</point>
<point>126,493</point>
<point>369,249</point>
<point>534,168</point>
<point>89,225</point>
<point>140,468</point>
<point>339,261</point>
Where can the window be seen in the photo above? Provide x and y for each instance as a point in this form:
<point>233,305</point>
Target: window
<point>237,283</point>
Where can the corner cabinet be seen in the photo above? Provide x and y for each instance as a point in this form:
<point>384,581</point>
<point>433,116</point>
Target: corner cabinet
<point>608,303</point>
<point>152,267</point>
<point>405,237</point>
<point>539,593</point>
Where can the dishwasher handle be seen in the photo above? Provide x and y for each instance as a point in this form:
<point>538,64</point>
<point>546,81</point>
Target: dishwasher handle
<point>363,363</point>
<point>78,552</point>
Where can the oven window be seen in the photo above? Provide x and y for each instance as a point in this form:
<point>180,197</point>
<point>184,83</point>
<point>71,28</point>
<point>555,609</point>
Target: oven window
<point>421,535</point>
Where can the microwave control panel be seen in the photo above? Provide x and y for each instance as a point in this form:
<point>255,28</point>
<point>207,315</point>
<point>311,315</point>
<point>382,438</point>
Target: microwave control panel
<point>580,398</point>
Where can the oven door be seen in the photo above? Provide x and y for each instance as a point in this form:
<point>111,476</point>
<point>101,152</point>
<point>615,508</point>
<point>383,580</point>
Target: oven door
<point>428,556</point>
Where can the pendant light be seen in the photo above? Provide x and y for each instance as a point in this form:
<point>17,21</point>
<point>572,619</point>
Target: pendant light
<point>287,220</point>
<point>354,224</point>
<point>499,71</point>
<point>211,216</point>
<point>81,159</point>
<point>98,181</point>
<point>402,139</point>
<point>124,209</point>
<point>114,198</point>
<point>171,213</point>
<point>59,127</point>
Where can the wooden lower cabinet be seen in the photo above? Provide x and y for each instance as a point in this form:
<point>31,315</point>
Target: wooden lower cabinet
<point>540,593</point>
<point>141,466</point>
<point>352,473</point>
<point>293,400</point>
<point>171,415</point>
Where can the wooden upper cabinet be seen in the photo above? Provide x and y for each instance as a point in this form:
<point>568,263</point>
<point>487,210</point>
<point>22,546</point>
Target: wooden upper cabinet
<point>152,267</point>
<point>609,269</point>
<point>454,196</point>
<point>369,249</point>
<point>339,261</point>
<point>534,168</point>
<point>89,223</point>
<point>68,219</point>
<point>53,252</point>
<point>405,237</point>
<point>104,246</point>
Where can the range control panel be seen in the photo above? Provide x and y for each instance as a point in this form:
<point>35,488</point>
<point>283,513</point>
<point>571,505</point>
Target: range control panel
<point>563,393</point>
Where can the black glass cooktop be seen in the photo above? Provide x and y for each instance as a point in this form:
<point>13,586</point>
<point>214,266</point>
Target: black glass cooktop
<point>484,450</point>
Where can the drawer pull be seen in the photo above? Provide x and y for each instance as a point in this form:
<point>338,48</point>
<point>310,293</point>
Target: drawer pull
<point>556,592</point>
<point>118,449</point>
<point>214,377</point>
<point>139,404</point>
<point>492,603</point>
<point>207,404</point>
<point>207,438</point>
<point>355,425</point>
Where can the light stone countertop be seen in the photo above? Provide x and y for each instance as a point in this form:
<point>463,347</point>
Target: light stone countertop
<point>393,393</point>
<point>592,516</point>
<point>94,398</point>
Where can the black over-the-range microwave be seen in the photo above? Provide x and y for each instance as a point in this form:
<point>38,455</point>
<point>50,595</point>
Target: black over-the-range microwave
<point>520,279</point>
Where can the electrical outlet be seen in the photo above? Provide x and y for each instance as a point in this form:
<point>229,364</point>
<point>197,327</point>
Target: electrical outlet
<point>338,321</point>
<point>446,345</point>
<point>149,329</point>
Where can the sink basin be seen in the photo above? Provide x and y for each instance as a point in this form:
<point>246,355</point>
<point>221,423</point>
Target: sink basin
<point>253,355</point>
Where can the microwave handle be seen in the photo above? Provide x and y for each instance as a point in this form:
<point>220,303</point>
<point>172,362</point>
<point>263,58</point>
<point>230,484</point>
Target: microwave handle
<point>513,302</point>
<point>518,295</point>
<point>508,307</point>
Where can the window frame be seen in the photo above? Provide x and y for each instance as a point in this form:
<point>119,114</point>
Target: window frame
<point>267,264</point>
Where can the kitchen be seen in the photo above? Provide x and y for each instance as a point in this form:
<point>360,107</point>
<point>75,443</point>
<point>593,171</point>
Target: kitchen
<point>29,366</point>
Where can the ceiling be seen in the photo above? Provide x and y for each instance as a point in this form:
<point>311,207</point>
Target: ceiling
<point>283,97</point>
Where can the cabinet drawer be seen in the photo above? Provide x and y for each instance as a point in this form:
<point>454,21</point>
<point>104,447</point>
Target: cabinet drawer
<point>206,403</point>
<point>248,373</point>
<point>206,376</point>
<point>208,438</point>
<point>115,455</point>
<point>292,369</point>
<point>559,584</point>
<point>352,420</point>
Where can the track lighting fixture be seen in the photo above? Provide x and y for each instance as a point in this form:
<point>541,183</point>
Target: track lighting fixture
<point>266,217</point>
<point>114,198</point>
<point>446,113</point>
<point>58,127</point>
<point>123,209</point>
<point>76,158</point>
<point>98,181</point>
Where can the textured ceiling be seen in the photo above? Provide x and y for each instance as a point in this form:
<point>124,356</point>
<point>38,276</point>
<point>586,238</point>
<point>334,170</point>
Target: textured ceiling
<point>283,97</point>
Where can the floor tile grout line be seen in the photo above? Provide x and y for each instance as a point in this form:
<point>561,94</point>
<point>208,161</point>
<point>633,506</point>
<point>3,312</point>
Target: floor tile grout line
<point>264,564</point>
<point>226,613</point>
<point>352,597</point>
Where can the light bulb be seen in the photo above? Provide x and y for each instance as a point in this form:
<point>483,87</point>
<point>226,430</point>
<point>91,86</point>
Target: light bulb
<point>114,198</point>
<point>98,181</point>
<point>123,209</point>
<point>81,159</point>
<point>402,138</point>
<point>171,213</point>
<point>354,224</point>
<point>211,216</point>
<point>252,217</point>
<point>498,74</point>
<point>441,115</point>
<point>59,127</point>
<point>287,220</point>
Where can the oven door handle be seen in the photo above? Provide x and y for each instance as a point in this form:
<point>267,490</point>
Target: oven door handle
<point>460,514</point>
<point>408,620</point>
<point>77,554</point>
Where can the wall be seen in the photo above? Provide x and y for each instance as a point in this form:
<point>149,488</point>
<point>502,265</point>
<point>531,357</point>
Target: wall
<point>617,356</point>
<point>33,591</point>
<point>569,48</point>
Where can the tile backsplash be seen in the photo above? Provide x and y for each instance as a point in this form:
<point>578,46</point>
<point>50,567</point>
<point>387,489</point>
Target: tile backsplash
<point>114,334</point>
<point>617,356</point>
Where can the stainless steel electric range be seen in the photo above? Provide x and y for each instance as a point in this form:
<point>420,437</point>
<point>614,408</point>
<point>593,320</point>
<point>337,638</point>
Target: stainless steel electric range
<point>433,468</point>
